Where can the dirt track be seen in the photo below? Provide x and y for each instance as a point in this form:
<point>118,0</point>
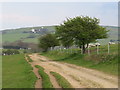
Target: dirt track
<point>38,83</point>
<point>79,77</point>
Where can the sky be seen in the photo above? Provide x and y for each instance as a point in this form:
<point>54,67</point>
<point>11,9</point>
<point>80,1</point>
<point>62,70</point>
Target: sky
<point>30,14</point>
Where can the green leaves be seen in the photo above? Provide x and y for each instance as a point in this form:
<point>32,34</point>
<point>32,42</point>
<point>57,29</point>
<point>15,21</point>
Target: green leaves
<point>47,41</point>
<point>81,29</point>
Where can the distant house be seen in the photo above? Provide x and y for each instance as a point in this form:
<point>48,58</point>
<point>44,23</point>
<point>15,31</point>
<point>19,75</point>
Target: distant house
<point>33,30</point>
<point>41,30</point>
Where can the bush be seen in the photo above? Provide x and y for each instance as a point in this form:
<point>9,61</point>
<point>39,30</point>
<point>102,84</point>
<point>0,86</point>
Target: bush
<point>10,52</point>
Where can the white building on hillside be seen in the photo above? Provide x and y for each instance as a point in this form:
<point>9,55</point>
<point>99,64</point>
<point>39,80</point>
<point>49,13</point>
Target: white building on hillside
<point>33,30</point>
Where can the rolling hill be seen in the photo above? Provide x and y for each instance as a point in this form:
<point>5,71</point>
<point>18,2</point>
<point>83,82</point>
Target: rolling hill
<point>26,34</point>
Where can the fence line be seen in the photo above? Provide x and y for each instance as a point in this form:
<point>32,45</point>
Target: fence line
<point>75,49</point>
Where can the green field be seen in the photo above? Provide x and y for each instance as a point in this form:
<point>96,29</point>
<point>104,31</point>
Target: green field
<point>13,35</point>
<point>104,62</point>
<point>17,73</point>
<point>17,34</point>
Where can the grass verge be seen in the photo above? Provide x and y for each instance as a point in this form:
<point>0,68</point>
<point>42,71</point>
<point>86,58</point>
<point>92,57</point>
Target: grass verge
<point>61,80</point>
<point>17,73</point>
<point>104,62</point>
<point>45,78</point>
<point>29,59</point>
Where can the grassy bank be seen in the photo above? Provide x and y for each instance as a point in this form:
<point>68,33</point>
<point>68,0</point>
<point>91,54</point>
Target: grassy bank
<point>105,62</point>
<point>29,59</point>
<point>45,78</point>
<point>61,80</point>
<point>17,73</point>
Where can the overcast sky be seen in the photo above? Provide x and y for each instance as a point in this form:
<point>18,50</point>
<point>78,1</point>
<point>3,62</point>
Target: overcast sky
<point>15,15</point>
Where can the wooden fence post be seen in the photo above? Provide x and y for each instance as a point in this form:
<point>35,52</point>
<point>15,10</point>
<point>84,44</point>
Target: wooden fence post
<point>97,49</point>
<point>81,49</point>
<point>108,48</point>
<point>88,51</point>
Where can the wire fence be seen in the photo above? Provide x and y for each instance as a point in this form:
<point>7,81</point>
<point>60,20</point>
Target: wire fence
<point>97,49</point>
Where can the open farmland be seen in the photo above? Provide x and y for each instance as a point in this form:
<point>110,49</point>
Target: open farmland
<point>25,35</point>
<point>59,46</point>
<point>17,72</point>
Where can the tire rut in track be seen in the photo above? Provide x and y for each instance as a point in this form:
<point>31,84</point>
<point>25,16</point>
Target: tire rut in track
<point>77,76</point>
<point>38,83</point>
<point>52,79</point>
<point>98,74</point>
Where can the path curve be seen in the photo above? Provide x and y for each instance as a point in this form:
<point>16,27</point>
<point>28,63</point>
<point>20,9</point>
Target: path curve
<point>79,77</point>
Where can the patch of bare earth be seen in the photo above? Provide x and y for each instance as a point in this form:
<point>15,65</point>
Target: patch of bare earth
<point>79,77</point>
<point>38,83</point>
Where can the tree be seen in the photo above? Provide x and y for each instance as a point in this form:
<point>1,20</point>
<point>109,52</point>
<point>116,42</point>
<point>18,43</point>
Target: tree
<point>11,52</point>
<point>48,41</point>
<point>81,30</point>
<point>65,39</point>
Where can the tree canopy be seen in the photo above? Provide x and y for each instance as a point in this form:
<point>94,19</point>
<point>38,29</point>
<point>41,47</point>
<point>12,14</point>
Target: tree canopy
<point>80,31</point>
<point>48,41</point>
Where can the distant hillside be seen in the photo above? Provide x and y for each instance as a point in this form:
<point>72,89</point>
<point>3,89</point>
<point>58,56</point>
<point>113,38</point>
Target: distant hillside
<point>113,35</point>
<point>26,34</point>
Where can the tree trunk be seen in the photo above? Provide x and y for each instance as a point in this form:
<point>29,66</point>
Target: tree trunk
<point>84,49</point>
<point>87,45</point>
